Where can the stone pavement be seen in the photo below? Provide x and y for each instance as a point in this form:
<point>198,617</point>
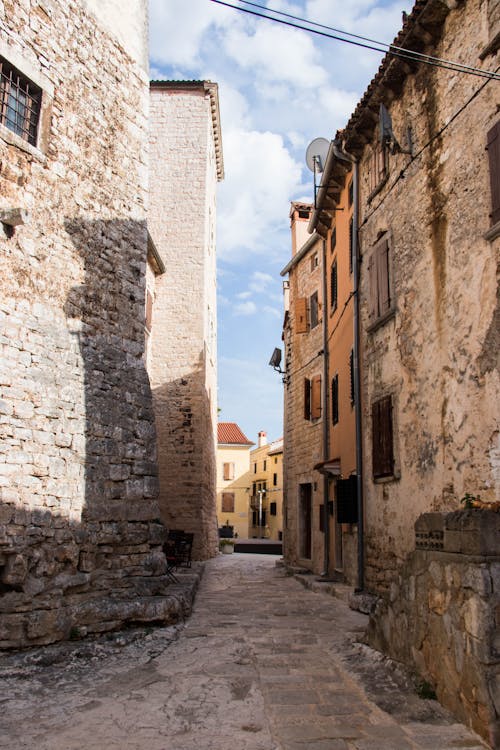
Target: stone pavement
<point>262,664</point>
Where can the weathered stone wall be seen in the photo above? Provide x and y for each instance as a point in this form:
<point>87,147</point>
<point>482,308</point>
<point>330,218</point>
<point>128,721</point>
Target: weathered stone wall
<point>183,372</point>
<point>302,437</point>
<point>79,544</point>
<point>437,354</point>
<point>442,615</point>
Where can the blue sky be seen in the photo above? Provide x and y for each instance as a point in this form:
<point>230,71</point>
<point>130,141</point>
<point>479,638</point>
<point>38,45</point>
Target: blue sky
<point>278,88</point>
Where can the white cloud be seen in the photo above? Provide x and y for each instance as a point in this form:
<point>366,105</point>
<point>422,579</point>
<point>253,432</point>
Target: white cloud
<point>260,281</point>
<point>275,53</point>
<point>244,295</point>
<point>245,308</point>
<point>261,177</point>
<point>273,311</point>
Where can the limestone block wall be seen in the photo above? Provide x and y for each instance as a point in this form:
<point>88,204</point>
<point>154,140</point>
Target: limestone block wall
<point>185,167</point>
<point>302,438</point>
<point>441,615</point>
<point>436,354</point>
<point>79,536</point>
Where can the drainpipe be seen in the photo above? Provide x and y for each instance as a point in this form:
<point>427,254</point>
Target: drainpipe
<point>326,445</point>
<point>344,156</point>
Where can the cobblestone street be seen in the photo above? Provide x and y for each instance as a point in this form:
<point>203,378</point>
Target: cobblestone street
<point>262,664</point>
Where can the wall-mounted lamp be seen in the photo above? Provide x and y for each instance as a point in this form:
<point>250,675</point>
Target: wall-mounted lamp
<point>275,363</point>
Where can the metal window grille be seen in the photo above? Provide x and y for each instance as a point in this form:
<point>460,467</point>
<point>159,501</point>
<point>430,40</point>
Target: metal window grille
<point>20,103</point>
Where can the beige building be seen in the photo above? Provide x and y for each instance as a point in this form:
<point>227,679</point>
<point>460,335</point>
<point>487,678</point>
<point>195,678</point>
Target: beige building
<point>186,164</point>
<point>78,476</point>
<point>266,500</point>
<point>233,478</point>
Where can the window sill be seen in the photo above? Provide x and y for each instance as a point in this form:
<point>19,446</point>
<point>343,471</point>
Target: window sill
<point>385,480</point>
<point>493,232</point>
<point>15,140</point>
<point>382,320</point>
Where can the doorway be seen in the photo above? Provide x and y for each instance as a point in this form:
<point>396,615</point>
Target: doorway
<point>305,516</point>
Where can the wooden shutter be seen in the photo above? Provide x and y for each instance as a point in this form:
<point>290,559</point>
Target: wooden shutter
<point>351,242</point>
<point>307,398</point>
<point>382,438</point>
<point>347,500</point>
<point>335,399</point>
<point>228,471</point>
<point>372,291</point>
<point>228,502</point>
<point>383,281</point>
<point>493,147</point>
<point>333,285</point>
<point>351,375</point>
<point>313,306</point>
<point>316,397</point>
<point>301,315</point>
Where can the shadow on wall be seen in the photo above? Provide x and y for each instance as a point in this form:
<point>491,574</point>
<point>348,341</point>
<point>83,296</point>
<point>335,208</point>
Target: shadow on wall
<point>186,458</point>
<point>85,556</point>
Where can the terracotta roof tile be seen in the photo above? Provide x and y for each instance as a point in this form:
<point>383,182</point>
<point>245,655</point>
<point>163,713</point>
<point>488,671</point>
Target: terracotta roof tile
<point>230,433</point>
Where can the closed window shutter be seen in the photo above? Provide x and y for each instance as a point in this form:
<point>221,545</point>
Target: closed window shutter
<point>307,398</point>
<point>229,471</point>
<point>384,296</point>
<point>494,163</point>
<point>382,438</point>
<point>333,285</point>
<point>372,281</point>
<point>316,397</point>
<point>335,399</point>
<point>351,375</point>
<point>228,502</point>
<point>301,315</point>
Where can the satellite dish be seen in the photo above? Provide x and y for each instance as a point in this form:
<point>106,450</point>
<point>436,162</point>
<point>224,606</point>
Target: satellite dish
<point>316,154</point>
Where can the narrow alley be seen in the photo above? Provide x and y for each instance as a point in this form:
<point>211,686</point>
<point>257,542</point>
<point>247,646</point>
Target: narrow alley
<point>262,664</point>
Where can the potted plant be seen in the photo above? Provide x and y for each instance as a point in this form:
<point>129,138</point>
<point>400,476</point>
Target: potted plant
<point>226,546</point>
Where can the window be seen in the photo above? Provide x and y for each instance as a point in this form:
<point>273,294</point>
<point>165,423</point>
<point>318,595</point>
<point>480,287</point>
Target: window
<point>307,398</point>
<point>228,502</point>
<point>380,300</point>
<point>314,261</point>
<point>493,146</point>
<point>314,309</point>
<point>228,471</point>
<point>272,509</point>
<point>255,518</point>
<point>312,397</point>
<point>264,465</point>
<point>255,468</point>
<point>351,376</point>
<point>275,460</point>
<point>335,399</point>
<point>378,168</point>
<point>347,500</point>
<point>275,480</point>
<point>301,315</point>
<point>382,438</point>
<point>350,195</point>
<point>333,285</point>
<point>20,102</point>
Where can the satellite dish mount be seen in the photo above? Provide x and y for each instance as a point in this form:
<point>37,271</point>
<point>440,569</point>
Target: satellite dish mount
<point>316,154</point>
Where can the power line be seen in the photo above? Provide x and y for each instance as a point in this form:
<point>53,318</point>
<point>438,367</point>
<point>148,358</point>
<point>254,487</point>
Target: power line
<point>381,47</point>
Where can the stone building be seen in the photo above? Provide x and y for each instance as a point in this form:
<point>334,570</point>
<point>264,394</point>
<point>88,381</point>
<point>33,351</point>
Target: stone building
<point>80,536</point>
<point>186,164</point>
<point>233,477</point>
<point>266,498</point>
<point>304,491</point>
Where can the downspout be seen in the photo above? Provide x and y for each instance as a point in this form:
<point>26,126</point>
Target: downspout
<point>326,435</point>
<point>344,156</point>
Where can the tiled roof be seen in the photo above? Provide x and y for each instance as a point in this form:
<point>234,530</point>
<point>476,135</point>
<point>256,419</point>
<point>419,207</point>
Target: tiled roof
<point>230,433</point>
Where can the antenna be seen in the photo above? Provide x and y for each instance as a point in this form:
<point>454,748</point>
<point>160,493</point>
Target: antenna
<point>316,154</point>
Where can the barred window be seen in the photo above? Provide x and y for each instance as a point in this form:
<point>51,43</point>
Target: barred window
<point>20,102</point>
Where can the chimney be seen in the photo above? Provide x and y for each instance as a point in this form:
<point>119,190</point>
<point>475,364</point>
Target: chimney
<point>262,439</point>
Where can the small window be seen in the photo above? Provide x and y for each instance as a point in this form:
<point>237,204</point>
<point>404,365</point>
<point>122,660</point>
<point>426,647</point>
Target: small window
<point>307,398</point>
<point>272,509</point>
<point>335,399</point>
<point>20,102</point>
<point>275,479</point>
<point>378,168</point>
<point>275,460</point>
<point>314,261</point>
<point>350,195</point>
<point>380,297</point>
<point>255,468</point>
<point>228,502</point>
<point>382,438</point>
<point>334,285</point>
<point>314,308</point>
<point>265,465</point>
<point>228,469</point>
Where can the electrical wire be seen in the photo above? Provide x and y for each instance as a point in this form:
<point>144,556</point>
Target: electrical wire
<point>381,47</point>
<point>419,153</point>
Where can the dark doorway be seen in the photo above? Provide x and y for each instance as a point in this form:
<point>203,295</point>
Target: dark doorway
<point>305,526</point>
